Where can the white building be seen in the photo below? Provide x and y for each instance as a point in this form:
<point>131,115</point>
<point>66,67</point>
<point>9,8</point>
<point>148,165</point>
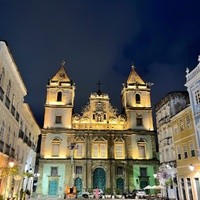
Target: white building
<point>18,129</point>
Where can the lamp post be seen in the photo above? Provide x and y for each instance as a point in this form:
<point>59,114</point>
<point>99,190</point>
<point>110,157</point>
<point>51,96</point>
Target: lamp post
<point>72,146</point>
<point>11,165</point>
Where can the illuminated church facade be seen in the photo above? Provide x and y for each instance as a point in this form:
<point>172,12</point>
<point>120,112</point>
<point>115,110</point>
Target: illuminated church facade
<point>97,148</point>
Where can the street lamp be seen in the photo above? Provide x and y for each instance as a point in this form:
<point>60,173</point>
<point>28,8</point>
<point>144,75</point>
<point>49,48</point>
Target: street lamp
<point>191,167</point>
<point>72,146</point>
<point>11,165</point>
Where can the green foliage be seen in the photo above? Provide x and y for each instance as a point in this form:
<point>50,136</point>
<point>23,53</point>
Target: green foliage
<point>168,181</point>
<point>1,197</point>
<point>8,171</point>
<point>29,175</point>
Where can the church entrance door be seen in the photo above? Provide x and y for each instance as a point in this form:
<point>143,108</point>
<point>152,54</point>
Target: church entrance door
<point>99,179</point>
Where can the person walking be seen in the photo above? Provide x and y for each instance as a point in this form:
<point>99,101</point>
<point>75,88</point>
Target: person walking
<point>97,193</point>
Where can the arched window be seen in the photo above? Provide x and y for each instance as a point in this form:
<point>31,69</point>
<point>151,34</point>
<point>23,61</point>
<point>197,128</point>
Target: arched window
<point>137,98</point>
<point>59,96</point>
<point>55,147</point>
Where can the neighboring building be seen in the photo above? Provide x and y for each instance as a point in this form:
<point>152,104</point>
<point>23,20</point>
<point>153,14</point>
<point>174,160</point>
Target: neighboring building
<point>193,87</point>
<point>166,108</point>
<point>18,128</point>
<point>97,148</point>
<point>186,153</point>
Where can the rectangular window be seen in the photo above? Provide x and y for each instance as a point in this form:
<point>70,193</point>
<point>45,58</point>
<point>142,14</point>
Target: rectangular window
<point>178,153</point>
<point>143,171</point>
<point>95,150</point>
<point>79,150</point>
<point>192,151</point>
<point>58,120</point>
<point>139,121</point>
<point>181,125</point>
<point>183,188</point>
<point>78,170</point>
<point>188,121</point>
<point>99,150</point>
<point>142,150</point>
<point>118,150</point>
<point>189,189</point>
<point>175,129</point>
<point>120,170</point>
<point>103,150</point>
<point>54,171</point>
<point>185,152</point>
<point>55,150</point>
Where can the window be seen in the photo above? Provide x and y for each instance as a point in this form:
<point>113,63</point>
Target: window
<point>175,129</point>
<point>78,170</point>
<point>55,147</point>
<point>197,96</point>
<point>185,151</point>
<point>178,153</point>
<point>120,170</point>
<point>59,96</point>
<point>137,98</point>
<point>181,125</point>
<point>58,120</point>
<point>142,150</point>
<point>189,189</point>
<point>192,151</point>
<point>143,171</point>
<point>8,89</point>
<point>54,171</point>
<point>2,75</point>
<point>139,121</point>
<point>79,150</point>
<point>118,150</point>
<point>188,121</point>
<point>99,150</point>
<point>2,128</point>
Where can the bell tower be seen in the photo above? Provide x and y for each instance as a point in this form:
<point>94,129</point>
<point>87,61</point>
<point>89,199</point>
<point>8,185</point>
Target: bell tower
<point>59,100</point>
<point>136,102</point>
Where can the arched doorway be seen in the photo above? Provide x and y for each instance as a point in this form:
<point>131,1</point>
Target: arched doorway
<point>120,184</point>
<point>78,185</point>
<point>99,179</point>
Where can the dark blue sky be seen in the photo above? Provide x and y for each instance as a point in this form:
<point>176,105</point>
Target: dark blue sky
<point>99,39</point>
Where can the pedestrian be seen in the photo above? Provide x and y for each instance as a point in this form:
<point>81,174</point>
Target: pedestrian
<point>97,193</point>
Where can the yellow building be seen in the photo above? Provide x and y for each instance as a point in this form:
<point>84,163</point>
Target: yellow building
<point>186,154</point>
<point>99,147</point>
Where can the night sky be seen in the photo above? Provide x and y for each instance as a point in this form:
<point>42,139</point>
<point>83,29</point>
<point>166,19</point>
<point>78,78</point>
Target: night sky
<point>99,39</point>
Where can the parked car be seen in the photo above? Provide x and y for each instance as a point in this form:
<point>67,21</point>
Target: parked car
<point>141,194</point>
<point>86,195</point>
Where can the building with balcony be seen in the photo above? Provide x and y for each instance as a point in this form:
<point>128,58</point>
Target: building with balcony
<point>18,129</point>
<point>185,146</point>
<point>165,109</point>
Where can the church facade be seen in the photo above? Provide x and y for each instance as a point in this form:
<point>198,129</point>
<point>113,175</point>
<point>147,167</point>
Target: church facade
<point>99,147</point>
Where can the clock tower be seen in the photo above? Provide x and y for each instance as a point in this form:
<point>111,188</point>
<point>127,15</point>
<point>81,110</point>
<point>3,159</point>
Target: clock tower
<point>59,100</point>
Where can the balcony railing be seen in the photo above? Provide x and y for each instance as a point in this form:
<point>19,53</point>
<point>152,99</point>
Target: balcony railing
<point>21,134</point>
<point>7,102</point>
<point>1,146</point>
<point>1,94</point>
<point>13,110</point>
